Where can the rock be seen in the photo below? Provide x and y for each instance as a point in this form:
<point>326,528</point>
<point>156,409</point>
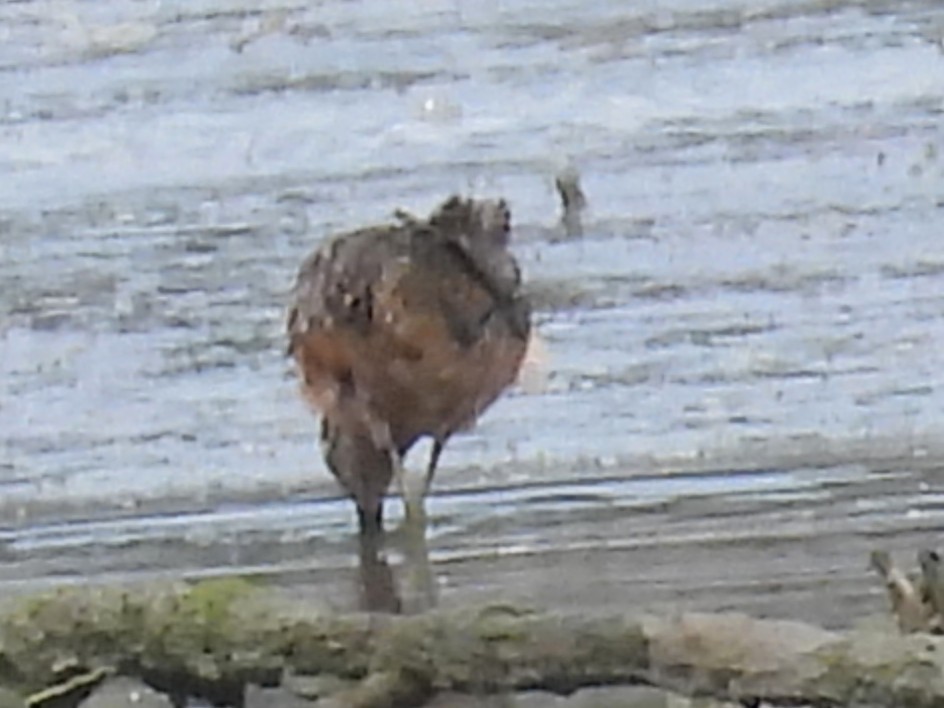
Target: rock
<point>624,697</point>
<point>628,696</point>
<point>126,692</point>
<point>259,697</point>
<point>314,687</point>
<point>635,696</point>
<point>539,699</point>
<point>11,699</point>
<point>449,699</point>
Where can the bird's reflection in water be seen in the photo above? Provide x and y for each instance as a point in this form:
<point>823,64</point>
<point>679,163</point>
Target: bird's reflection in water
<point>376,584</point>
<point>409,588</point>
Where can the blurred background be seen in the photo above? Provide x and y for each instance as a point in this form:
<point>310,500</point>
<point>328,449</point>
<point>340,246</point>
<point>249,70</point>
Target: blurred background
<point>743,387</point>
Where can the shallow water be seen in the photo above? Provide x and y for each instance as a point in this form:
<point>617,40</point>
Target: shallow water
<point>744,391</point>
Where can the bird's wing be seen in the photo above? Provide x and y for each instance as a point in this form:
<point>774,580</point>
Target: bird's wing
<point>331,321</point>
<point>335,284</point>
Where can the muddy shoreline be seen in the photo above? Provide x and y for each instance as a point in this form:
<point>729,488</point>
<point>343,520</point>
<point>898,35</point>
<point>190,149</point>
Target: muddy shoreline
<point>786,541</point>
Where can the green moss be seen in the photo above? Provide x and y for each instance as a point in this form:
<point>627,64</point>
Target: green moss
<point>210,601</point>
<point>192,628</point>
<point>196,630</point>
<point>11,699</point>
<point>879,670</point>
<point>835,680</point>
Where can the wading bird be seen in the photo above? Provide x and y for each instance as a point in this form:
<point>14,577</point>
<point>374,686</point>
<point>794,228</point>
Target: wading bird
<point>407,330</point>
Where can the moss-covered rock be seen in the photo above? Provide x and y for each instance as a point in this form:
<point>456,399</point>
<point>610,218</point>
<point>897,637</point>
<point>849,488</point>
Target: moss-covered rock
<point>212,639</point>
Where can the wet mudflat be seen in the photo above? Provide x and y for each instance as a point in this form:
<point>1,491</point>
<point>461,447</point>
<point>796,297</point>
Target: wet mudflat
<point>743,392</point>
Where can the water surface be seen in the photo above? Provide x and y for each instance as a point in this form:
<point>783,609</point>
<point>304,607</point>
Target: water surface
<point>745,347</point>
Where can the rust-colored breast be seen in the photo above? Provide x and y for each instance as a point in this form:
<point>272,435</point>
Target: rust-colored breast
<point>398,323</point>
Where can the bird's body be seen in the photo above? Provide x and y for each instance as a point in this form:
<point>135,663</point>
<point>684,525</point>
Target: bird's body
<point>404,331</point>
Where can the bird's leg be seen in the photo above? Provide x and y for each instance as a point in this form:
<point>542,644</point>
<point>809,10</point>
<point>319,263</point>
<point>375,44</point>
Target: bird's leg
<point>438,445</point>
<point>418,588</point>
<point>377,587</point>
<point>370,522</point>
<point>412,502</point>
